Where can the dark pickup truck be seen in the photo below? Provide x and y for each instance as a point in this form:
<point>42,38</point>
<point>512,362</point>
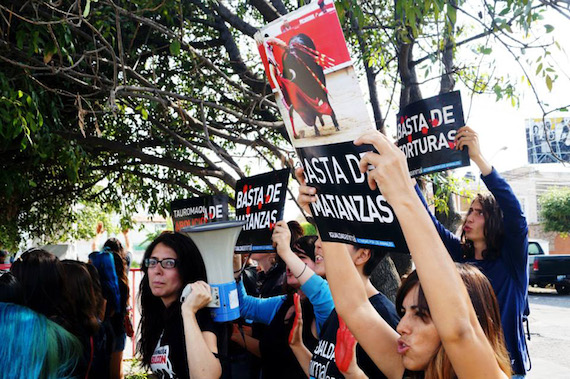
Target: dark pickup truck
<point>548,270</point>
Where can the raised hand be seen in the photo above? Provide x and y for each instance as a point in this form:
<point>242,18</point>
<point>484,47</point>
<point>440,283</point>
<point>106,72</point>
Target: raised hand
<point>390,171</point>
<point>306,193</point>
<point>296,334</point>
<point>281,238</point>
<point>467,137</point>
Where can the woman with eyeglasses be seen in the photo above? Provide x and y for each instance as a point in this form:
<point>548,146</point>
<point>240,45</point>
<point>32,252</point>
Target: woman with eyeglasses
<point>177,340</point>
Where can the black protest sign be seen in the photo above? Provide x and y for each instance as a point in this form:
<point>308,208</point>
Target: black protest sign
<point>260,201</point>
<point>347,210</point>
<point>198,210</point>
<point>426,134</point>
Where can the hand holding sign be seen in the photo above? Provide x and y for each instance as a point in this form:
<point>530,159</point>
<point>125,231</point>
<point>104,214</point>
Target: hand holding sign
<point>391,169</point>
<point>281,237</point>
<point>467,137</point>
<point>306,193</point>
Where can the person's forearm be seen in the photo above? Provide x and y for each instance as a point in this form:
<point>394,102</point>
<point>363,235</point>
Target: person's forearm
<point>373,333</point>
<point>202,363</point>
<point>345,284</point>
<point>297,267</point>
<point>484,166</point>
<point>441,283</point>
<point>303,356</point>
<point>260,310</point>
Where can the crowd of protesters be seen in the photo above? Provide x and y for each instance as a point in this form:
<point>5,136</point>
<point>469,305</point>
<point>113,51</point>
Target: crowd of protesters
<point>308,311</point>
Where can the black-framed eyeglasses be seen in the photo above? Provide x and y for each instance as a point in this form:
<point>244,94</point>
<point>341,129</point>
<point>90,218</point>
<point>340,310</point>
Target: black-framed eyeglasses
<point>165,263</point>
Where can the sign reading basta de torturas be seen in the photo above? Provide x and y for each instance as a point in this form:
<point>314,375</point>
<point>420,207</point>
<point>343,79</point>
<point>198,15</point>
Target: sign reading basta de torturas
<point>426,134</point>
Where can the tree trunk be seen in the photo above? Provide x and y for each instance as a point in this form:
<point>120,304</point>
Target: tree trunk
<point>449,220</point>
<point>370,75</point>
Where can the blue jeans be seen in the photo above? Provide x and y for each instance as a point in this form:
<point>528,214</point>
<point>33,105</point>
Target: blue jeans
<point>518,377</point>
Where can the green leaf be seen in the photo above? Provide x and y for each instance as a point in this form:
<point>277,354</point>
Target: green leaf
<point>486,50</point>
<point>539,68</point>
<point>175,47</point>
<point>549,82</point>
<point>549,28</point>
<point>87,8</point>
<point>451,14</point>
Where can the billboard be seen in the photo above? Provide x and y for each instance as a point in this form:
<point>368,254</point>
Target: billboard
<point>547,139</point>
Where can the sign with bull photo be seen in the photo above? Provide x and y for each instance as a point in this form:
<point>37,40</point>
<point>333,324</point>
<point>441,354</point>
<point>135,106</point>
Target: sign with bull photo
<point>316,88</point>
<point>198,210</point>
<point>260,201</point>
<point>426,134</point>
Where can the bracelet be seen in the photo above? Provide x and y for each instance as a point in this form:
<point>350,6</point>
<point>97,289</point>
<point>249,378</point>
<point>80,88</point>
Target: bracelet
<point>304,268</point>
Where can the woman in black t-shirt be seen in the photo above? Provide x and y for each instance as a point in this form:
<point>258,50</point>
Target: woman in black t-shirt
<point>177,340</point>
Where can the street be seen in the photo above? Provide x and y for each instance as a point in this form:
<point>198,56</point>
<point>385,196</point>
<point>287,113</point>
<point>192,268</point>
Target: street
<point>549,323</point>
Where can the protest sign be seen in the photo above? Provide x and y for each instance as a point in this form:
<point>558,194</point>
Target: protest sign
<point>198,210</point>
<point>317,91</point>
<point>260,201</point>
<point>426,134</point>
<point>346,209</point>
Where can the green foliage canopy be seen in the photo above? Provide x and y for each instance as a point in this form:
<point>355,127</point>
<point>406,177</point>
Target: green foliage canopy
<point>130,104</point>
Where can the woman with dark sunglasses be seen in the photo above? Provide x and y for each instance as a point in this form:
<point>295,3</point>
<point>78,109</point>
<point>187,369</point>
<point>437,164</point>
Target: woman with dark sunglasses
<point>178,340</point>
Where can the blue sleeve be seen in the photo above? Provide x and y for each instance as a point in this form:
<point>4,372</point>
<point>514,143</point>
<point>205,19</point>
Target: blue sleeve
<point>319,294</point>
<point>450,240</point>
<point>257,309</point>
<point>515,243</point>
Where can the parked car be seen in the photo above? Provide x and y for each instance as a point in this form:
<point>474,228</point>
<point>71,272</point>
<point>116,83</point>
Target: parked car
<point>548,270</point>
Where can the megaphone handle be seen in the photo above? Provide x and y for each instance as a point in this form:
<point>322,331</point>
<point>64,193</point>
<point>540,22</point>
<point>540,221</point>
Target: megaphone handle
<point>186,292</point>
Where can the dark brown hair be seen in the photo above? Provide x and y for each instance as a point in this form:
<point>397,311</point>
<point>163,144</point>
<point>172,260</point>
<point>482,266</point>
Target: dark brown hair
<point>45,289</point>
<point>486,308</point>
<point>82,294</point>
<point>493,229</point>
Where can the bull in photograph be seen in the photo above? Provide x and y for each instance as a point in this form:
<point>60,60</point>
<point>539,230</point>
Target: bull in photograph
<point>303,82</point>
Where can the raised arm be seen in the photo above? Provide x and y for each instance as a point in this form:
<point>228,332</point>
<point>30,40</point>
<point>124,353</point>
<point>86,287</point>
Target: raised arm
<point>515,224</point>
<point>374,334</point>
<point>450,306</point>
<point>260,310</point>
<point>315,287</point>
<point>201,347</point>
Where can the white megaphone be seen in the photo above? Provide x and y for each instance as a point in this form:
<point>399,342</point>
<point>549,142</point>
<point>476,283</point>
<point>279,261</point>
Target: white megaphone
<point>216,242</point>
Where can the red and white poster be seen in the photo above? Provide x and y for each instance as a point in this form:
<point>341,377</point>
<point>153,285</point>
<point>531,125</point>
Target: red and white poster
<point>309,68</point>
<point>316,88</point>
